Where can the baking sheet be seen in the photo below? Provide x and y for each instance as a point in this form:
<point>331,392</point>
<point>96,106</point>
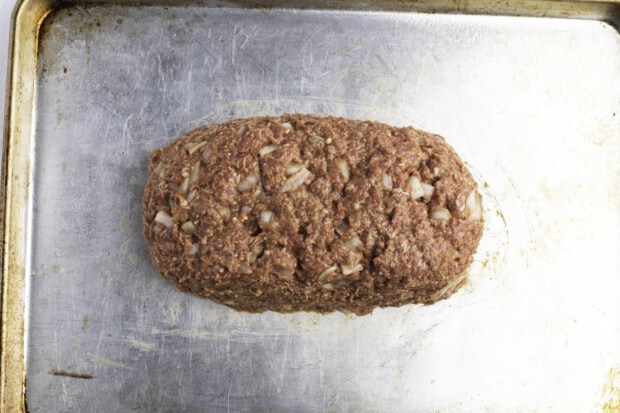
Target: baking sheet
<point>531,104</point>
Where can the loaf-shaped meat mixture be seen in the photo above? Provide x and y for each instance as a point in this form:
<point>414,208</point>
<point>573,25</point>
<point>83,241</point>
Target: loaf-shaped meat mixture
<point>308,213</point>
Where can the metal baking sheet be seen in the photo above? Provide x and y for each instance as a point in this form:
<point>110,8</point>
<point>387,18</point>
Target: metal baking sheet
<point>530,102</point>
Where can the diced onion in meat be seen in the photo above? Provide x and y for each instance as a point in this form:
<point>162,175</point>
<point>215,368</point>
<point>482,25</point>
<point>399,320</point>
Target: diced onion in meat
<point>344,169</point>
<point>473,206</point>
<point>266,217</point>
<point>193,250</point>
<point>327,272</point>
<point>346,270</point>
<point>428,190</point>
<point>164,219</point>
<point>295,181</point>
<point>285,272</point>
<point>184,185</point>
<point>193,177</point>
<point>268,149</point>
<point>261,195</point>
<point>241,130</point>
<point>328,287</point>
<point>387,181</point>
<point>248,183</point>
<point>191,196</point>
<point>194,147</point>
<point>440,214</point>
<point>288,127</point>
<point>416,188</point>
<point>256,252</point>
<point>293,169</point>
<point>354,244</point>
<point>342,228</point>
<point>189,228</point>
<point>316,201</point>
<point>160,169</point>
<point>316,139</point>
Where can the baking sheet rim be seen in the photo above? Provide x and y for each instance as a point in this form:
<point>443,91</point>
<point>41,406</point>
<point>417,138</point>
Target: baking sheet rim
<point>17,170</point>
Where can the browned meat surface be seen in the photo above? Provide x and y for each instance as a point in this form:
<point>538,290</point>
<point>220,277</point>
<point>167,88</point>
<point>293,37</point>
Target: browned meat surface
<point>307,213</point>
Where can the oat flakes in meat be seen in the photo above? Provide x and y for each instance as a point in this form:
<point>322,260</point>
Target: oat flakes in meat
<point>308,213</point>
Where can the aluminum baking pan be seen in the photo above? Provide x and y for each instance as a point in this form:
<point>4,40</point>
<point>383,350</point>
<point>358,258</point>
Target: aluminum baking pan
<point>528,94</point>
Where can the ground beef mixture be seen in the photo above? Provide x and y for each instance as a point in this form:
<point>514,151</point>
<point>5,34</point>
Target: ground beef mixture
<point>308,213</point>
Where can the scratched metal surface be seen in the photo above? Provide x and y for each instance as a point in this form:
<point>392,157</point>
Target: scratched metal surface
<point>530,104</point>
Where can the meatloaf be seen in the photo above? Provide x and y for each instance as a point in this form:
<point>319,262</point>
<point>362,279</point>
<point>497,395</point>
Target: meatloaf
<point>308,213</point>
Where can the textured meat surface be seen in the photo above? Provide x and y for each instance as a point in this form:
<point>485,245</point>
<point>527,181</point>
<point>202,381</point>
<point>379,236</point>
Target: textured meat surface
<point>307,213</point>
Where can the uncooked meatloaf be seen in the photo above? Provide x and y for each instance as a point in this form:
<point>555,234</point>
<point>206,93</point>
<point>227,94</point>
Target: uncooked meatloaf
<point>308,213</point>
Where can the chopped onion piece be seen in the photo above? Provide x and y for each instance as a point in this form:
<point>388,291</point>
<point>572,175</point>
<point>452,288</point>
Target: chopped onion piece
<point>285,272</point>
<point>256,252</point>
<point>246,209</point>
<point>266,216</point>
<point>160,169</point>
<point>293,169</point>
<point>165,219</point>
<point>245,269</point>
<point>268,149</point>
<point>428,190</point>
<point>248,183</point>
<point>184,185</point>
<point>327,272</point>
<point>194,147</point>
<point>315,200</point>
<point>387,181</point>
<point>346,270</point>
<point>241,130</point>
<point>344,169</point>
<point>288,127</point>
<point>342,228</point>
<point>328,286</point>
<point>193,250</point>
<point>416,188</point>
<point>193,177</point>
<point>473,206</point>
<point>261,195</point>
<point>191,196</point>
<point>189,228</point>
<point>354,244</point>
<point>316,139</point>
<point>295,181</point>
<point>440,214</point>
